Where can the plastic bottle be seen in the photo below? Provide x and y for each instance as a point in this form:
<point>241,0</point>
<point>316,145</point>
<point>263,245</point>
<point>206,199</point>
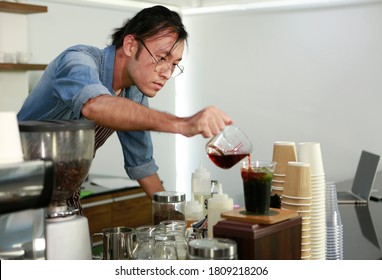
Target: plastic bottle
<point>201,186</point>
<point>194,212</point>
<point>218,203</point>
<point>214,186</point>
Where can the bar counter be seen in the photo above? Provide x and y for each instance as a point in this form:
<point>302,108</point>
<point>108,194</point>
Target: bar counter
<point>362,225</point>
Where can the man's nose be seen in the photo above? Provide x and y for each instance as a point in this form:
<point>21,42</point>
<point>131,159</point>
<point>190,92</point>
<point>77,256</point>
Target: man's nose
<point>166,73</point>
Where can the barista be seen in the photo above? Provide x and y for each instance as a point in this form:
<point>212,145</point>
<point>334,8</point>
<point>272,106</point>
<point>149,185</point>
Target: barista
<point>111,86</point>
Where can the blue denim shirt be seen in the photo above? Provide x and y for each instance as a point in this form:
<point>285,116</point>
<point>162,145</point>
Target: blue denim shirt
<point>69,81</point>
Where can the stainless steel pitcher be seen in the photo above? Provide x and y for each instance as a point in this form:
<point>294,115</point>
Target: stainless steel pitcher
<point>118,243</point>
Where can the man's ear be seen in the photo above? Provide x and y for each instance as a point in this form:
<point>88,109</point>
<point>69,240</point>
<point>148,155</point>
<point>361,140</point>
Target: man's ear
<point>129,45</point>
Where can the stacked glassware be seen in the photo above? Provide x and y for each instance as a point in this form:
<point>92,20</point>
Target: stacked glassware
<point>334,227</point>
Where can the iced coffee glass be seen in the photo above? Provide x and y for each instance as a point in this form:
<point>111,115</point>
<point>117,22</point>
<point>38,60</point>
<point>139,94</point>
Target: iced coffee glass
<point>257,182</point>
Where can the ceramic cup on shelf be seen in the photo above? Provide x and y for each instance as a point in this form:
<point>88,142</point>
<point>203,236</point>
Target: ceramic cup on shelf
<point>23,57</point>
<point>2,57</point>
<point>8,57</point>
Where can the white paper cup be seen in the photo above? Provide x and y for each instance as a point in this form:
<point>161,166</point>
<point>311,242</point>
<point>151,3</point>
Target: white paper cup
<point>10,142</point>
<point>310,152</point>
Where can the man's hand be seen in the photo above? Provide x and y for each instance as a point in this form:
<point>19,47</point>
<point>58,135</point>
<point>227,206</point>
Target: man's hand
<point>207,122</point>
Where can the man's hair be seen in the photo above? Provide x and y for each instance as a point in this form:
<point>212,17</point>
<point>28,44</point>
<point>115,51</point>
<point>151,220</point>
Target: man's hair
<point>148,23</point>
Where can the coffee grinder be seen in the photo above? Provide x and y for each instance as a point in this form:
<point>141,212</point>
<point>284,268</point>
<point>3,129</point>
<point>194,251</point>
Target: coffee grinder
<point>70,146</point>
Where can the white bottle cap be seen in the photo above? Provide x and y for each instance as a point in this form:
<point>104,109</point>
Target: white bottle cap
<point>202,173</point>
<point>220,197</point>
<point>193,206</point>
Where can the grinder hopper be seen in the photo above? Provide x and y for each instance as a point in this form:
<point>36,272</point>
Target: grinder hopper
<point>70,146</point>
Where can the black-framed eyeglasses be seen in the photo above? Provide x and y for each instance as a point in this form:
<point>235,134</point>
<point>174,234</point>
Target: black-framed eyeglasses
<point>162,65</point>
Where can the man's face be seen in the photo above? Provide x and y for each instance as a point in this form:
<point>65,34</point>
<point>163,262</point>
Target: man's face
<point>145,71</point>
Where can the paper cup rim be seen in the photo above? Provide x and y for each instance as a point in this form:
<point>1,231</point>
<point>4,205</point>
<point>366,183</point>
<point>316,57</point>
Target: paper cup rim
<point>298,197</point>
<point>297,204</point>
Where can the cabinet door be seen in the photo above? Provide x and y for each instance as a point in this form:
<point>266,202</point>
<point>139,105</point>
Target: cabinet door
<point>98,210</point>
<point>131,209</point>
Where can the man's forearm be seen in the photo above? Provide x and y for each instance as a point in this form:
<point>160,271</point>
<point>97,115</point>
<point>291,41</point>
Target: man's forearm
<point>123,114</point>
<point>151,184</point>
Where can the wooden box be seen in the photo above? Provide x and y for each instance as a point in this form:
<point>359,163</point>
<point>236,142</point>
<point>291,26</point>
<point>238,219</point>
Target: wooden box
<point>279,241</point>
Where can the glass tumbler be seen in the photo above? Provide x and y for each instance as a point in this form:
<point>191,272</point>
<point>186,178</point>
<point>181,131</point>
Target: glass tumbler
<point>165,248</point>
<point>177,229</point>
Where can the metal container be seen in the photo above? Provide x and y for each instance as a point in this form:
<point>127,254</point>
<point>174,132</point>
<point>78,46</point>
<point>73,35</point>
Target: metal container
<point>117,243</point>
<point>212,249</point>
<point>168,205</point>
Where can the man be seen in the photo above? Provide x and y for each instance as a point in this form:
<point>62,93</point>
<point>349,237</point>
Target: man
<point>111,86</point>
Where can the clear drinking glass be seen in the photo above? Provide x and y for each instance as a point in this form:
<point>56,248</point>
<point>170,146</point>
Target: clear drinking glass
<point>177,229</point>
<point>165,248</point>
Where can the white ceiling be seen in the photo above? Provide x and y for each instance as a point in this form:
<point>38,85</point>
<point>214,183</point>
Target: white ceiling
<point>202,3</point>
<point>189,7</point>
<point>179,5</point>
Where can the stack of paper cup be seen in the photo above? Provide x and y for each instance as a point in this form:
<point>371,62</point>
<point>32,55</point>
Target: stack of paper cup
<point>283,152</point>
<point>310,152</point>
<point>297,196</point>
<point>10,142</point>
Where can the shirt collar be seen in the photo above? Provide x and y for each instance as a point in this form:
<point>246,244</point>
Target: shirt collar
<point>108,67</point>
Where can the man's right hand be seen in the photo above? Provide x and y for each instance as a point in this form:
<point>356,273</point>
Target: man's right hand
<point>207,122</point>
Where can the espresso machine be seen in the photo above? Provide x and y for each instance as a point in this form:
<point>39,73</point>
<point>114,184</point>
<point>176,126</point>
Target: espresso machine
<point>70,146</point>
<point>25,190</point>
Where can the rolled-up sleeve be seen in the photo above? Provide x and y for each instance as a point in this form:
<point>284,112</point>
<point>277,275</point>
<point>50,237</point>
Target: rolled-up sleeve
<point>137,145</point>
<point>85,94</point>
<point>77,80</point>
<point>138,153</point>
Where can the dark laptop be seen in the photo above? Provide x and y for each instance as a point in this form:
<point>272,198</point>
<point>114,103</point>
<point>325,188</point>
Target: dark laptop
<point>363,181</point>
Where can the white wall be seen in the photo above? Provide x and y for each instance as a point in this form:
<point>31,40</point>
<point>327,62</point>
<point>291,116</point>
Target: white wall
<point>290,75</point>
<point>15,83</point>
<point>297,75</point>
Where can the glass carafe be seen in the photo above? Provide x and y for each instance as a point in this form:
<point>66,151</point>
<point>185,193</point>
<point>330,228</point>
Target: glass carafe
<point>228,147</point>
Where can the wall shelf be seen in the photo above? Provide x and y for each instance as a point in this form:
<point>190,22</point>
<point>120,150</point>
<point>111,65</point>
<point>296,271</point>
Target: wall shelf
<point>21,67</point>
<point>21,8</point>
